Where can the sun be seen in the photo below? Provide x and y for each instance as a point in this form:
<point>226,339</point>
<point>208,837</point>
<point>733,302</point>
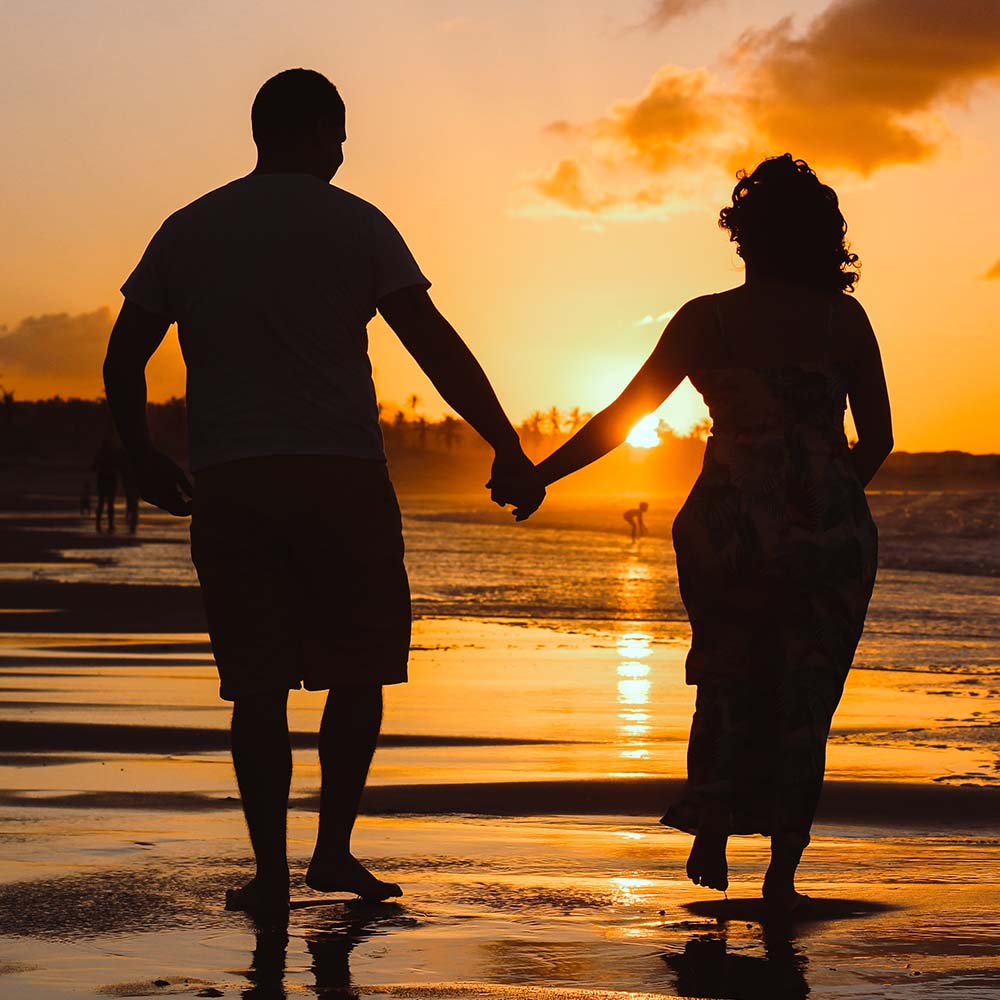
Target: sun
<point>644,435</point>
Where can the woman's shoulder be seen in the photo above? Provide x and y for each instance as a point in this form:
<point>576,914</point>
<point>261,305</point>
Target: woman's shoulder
<point>849,307</point>
<point>696,311</point>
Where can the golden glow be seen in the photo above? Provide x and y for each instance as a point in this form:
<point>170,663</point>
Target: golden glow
<point>633,669</point>
<point>644,435</point>
<point>627,890</point>
<point>561,307</point>
<point>683,410</point>
<point>634,646</point>
<point>634,686</point>
<point>633,692</point>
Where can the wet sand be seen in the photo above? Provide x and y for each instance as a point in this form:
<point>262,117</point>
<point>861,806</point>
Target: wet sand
<point>526,840</point>
<point>112,904</point>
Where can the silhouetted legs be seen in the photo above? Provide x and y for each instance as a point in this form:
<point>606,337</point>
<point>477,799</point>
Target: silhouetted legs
<point>348,734</point>
<point>779,882</point>
<point>707,864</point>
<point>262,757</point>
<point>132,512</point>
<point>105,501</point>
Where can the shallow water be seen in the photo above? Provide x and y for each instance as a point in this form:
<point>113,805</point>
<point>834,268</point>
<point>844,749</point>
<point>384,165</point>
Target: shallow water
<point>564,618</point>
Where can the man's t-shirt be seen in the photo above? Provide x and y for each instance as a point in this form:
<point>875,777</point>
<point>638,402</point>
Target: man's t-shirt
<point>272,280</point>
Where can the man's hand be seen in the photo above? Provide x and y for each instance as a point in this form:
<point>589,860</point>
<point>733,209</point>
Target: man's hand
<point>162,482</point>
<point>513,480</point>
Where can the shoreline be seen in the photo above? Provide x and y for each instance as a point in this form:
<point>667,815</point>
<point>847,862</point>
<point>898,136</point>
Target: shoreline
<point>876,805</point>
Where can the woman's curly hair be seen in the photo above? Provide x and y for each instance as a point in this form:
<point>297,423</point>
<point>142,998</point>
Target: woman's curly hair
<point>788,225</point>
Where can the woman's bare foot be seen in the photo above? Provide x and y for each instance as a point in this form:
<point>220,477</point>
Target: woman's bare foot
<point>259,895</point>
<point>778,889</point>
<point>707,864</point>
<point>347,874</point>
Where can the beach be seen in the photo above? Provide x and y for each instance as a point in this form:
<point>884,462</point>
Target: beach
<point>516,791</point>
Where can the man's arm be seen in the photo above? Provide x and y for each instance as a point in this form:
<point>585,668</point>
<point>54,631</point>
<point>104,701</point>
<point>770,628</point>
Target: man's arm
<point>135,336</point>
<point>459,378</point>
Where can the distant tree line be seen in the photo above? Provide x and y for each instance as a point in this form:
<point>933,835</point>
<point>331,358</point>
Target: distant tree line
<point>54,441</point>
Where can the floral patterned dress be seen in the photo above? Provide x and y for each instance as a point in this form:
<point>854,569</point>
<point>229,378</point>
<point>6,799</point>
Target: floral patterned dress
<point>776,558</point>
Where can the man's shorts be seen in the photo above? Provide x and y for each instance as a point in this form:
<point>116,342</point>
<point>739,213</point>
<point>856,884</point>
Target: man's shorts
<point>300,560</point>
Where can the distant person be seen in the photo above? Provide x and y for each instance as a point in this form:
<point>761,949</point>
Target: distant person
<point>85,501</point>
<point>130,486</point>
<point>106,475</point>
<point>635,520</point>
<point>272,279</point>
<point>776,548</point>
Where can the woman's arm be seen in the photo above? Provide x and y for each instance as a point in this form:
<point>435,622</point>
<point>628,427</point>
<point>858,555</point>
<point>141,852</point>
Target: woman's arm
<point>657,379</point>
<point>869,399</point>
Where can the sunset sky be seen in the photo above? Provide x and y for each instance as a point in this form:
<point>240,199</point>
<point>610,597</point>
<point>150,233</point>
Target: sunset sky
<point>556,167</point>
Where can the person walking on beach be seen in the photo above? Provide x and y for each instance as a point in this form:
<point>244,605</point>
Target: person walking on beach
<point>130,485</point>
<point>85,503</point>
<point>296,532</point>
<point>635,521</point>
<point>776,548</point>
<point>106,476</point>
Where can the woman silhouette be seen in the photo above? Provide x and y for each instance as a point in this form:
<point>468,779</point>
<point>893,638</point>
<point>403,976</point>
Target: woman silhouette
<point>776,548</point>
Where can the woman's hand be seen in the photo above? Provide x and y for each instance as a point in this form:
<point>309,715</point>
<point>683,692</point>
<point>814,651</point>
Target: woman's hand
<point>514,480</point>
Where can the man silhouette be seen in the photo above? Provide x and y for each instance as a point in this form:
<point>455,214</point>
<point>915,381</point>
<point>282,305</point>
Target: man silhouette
<point>106,470</point>
<point>295,533</point>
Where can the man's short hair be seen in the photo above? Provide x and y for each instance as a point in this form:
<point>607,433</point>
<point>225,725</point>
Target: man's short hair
<point>291,105</point>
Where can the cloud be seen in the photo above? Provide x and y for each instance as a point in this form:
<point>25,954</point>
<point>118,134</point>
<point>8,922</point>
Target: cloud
<point>649,319</point>
<point>565,187</point>
<point>665,11</point>
<point>861,87</point>
<point>673,123</point>
<point>663,127</point>
<point>60,354</point>
<point>993,274</point>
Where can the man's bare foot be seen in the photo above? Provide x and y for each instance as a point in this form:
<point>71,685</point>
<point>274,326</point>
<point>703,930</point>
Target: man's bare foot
<point>707,864</point>
<point>349,875</point>
<point>781,896</point>
<point>260,896</point>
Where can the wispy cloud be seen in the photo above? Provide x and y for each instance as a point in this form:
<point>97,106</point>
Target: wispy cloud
<point>649,319</point>
<point>665,11</point>
<point>993,274</point>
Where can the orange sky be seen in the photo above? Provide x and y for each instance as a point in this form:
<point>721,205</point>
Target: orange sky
<point>556,167</point>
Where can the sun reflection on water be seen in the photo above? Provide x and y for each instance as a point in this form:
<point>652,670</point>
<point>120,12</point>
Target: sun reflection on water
<point>635,646</point>
<point>626,890</point>
<point>633,669</point>
<point>633,689</point>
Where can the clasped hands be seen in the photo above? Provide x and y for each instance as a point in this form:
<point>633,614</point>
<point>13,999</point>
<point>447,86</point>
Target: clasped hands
<point>515,480</point>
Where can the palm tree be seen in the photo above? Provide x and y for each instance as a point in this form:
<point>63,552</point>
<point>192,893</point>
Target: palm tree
<point>413,402</point>
<point>576,419</point>
<point>555,420</point>
<point>533,425</point>
<point>449,429</point>
<point>7,401</point>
